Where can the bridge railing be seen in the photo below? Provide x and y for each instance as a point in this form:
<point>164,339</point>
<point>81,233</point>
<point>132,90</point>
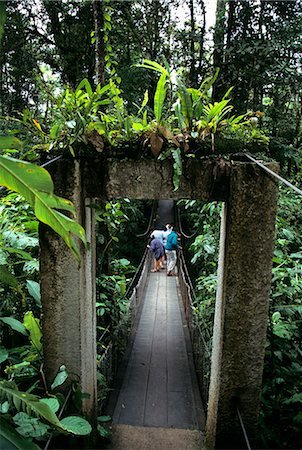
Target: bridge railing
<point>111,353</point>
<point>201,338</point>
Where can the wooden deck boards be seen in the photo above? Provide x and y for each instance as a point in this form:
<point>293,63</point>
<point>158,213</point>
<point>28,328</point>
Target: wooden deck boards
<point>159,387</point>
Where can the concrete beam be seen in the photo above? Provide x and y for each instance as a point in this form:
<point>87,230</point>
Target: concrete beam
<point>245,267</point>
<point>206,180</point>
<point>68,294</point>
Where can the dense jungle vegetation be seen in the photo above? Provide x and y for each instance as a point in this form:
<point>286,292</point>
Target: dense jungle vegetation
<point>141,79</point>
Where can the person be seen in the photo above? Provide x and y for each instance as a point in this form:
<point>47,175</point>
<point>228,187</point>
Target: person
<point>160,235</point>
<point>157,248</point>
<point>171,247</point>
<point>166,233</point>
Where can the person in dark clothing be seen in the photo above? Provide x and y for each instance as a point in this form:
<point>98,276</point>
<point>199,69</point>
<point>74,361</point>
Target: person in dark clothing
<point>158,250</point>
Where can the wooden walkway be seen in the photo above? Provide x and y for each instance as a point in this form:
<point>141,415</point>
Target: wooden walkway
<point>159,387</point>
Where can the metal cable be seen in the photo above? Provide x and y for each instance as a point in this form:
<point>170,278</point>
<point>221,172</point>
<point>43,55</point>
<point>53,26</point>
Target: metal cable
<point>137,274</point>
<point>189,283</point>
<point>274,174</point>
<point>47,163</point>
<point>180,227</point>
<point>150,222</point>
<point>243,429</point>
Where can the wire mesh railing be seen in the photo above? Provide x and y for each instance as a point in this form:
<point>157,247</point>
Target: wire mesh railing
<point>201,337</point>
<point>112,343</point>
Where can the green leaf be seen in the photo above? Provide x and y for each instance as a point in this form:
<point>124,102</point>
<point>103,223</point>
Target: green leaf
<point>296,398</point>
<point>186,104</point>
<point>6,277</point>
<point>85,84</point>
<point>4,408</point>
<point>35,185</point>
<point>3,354</point>
<point>33,326</point>
<point>61,377</point>
<point>148,64</point>
<point>9,142</point>
<point>31,267</point>
<point>159,97</point>
<point>14,324</point>
<point>103,432</point>
<point>55,130</point>
<point>53,403</point>
<point>103,419</point>
<point>19,240</point>
<point>137,126</point>
<point>77,425</point>
<point>11,440</point>
<point>34,289</point>
<point>24,255</point>
<point>32,405</point>
<point>29,426</point>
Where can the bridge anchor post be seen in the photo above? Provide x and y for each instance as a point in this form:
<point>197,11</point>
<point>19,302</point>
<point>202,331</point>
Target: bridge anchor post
<point>241,312</point>
<point>68,294</point>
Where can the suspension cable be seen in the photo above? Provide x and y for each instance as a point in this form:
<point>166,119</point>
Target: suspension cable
<point>137,273</point>
<point>189,283</point>
<point>180,227</point>
<point>47,163</point>
<point>243,429</point>
<point>150,222</point>
<point>274,174</point>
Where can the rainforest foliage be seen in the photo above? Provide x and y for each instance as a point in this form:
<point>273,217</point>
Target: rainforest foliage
<point>140,80</point>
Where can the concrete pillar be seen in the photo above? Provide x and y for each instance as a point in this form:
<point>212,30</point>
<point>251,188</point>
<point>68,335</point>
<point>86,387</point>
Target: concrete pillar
<point>68,294</point>
<point>241,314</point>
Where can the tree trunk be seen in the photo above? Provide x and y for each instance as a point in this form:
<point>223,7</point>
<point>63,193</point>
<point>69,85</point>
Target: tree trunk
<point>218,54</point>
<point>192,73</point>
<point>201,40</point>
<point>99,41</point>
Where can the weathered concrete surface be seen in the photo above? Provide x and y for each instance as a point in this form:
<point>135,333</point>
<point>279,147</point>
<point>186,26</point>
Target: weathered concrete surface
<point>242,306</point>
<point>151,179</point>
<point>68,295</point>
<point>126,437</point>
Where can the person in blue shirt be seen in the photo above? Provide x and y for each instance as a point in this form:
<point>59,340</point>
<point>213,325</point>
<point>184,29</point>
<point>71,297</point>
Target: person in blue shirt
<point>171,247</point>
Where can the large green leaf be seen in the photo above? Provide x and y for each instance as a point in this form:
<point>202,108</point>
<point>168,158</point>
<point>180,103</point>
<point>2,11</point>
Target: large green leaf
<point>77,425</point>
<point>8,142</point>
<point>34,289</point>
<point>186,104</point>
<point>33,326</point>
<point>15,324</point>
<point>159,97</point>
<point>148,64</point>
<point>36,186</point>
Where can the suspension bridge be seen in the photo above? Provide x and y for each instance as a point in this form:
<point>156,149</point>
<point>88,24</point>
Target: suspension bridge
<point>158,400</point>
